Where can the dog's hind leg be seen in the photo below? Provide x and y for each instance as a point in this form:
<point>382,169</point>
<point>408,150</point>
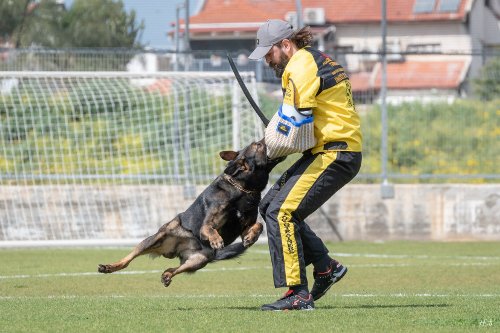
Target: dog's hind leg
<point>144,247</point>
<point>193,263</point>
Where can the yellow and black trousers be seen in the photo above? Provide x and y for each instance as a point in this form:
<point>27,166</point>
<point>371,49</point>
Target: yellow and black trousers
<point>302,189</point>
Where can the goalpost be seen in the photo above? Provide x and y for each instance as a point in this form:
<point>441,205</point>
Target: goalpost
<point>101,158</point>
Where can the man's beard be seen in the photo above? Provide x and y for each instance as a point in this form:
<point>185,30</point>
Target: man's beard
<point>279,68</point>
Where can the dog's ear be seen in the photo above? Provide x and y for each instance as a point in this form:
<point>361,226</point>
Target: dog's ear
<point>228,155</point>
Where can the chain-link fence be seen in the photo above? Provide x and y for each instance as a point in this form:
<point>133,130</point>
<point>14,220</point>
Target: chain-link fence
<point>443,109</point>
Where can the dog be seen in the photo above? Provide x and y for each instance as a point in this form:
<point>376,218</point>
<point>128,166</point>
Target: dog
<point>226,209</point>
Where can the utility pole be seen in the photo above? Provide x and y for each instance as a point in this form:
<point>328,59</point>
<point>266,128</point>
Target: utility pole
<point>177,35</point>
<point>300,21</point>
<point>387,190</point>
<point>187,48</point>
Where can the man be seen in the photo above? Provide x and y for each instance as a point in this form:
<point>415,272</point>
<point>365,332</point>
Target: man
<point>320,86</point>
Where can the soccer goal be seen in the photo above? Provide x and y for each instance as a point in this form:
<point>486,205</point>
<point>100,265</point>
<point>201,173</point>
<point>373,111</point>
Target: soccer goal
<point>105,158</point>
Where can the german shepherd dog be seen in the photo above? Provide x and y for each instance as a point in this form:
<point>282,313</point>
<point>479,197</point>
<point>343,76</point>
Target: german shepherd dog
<point>226,209</point>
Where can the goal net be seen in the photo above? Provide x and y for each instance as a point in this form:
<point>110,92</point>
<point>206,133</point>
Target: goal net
<point>106,158</point>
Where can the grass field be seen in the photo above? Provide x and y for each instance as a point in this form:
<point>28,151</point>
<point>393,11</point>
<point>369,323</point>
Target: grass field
<point>391,286</point>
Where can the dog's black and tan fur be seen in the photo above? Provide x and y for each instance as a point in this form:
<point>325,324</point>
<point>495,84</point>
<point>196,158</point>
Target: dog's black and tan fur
<point>226,209</point>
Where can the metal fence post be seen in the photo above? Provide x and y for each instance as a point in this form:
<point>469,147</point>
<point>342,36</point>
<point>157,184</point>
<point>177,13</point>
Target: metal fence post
<point>189,188</point>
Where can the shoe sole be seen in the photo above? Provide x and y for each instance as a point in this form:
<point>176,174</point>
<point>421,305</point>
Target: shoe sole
<point>338,278</point>
<point>278,310</point>
<point>305,309</point>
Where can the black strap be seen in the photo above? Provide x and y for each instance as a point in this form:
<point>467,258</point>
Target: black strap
<point>245,91</point>
<point>335,145</point>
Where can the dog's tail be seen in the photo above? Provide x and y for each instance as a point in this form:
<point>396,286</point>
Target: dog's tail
<point>231,251</point>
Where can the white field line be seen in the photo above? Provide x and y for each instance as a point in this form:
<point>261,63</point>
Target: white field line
<point>409,256</point>
<point>29,276</point>
<point>395,256</point>
<point>184,296</point>
<point>222,269</point>
<point>403,295</point>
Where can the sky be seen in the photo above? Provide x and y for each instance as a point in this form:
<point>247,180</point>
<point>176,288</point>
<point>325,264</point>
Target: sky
<point>157,15</point>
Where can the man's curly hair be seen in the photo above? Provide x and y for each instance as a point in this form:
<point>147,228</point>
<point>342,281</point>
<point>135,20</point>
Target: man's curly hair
<point>302,37</point>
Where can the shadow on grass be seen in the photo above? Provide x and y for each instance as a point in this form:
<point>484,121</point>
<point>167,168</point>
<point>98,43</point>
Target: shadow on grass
<point>328,307</point>
<point>246,308</point>
<point>384,306</point>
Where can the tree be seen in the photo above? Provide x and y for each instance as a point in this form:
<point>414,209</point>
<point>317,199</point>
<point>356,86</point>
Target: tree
<point>87,23</point>
<point>43,26</point>
<point>487,86</point>
<point>102,23</point>
<point>12,15</point>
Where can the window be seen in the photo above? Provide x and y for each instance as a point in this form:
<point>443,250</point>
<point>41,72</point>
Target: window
<point>343,49</point>
<point>424,48</point>
<point>448,5</point>
<point>423,6</point>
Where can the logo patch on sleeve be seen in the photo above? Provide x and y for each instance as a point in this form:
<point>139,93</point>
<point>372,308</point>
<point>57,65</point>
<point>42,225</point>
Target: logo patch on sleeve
<point>283,129</point>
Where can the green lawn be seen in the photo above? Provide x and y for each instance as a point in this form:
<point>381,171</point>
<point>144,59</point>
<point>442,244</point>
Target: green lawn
<point>392,286</point>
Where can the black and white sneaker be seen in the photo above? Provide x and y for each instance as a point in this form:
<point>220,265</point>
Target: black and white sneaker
<point>290,301</point>
<point>324,281</point>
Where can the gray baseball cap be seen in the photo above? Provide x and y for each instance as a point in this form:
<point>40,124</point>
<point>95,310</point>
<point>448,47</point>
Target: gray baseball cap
<point>270,33</point>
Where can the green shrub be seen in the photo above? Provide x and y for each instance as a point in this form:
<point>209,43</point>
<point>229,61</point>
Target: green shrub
<point>76,133</point>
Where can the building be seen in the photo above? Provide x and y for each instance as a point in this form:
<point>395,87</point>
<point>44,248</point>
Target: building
<point>433,45</point>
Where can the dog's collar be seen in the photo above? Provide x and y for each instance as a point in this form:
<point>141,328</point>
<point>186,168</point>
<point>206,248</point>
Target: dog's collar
<point>235,184</point>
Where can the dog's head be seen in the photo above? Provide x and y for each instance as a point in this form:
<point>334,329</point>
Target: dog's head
<point>249,165</point>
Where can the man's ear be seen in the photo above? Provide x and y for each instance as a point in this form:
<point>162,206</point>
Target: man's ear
<point>228,155</point>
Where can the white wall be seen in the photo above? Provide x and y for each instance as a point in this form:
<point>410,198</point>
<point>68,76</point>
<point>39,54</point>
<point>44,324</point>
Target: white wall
<point>484,26</point>
<point>427,212</point>
<point>451,35</point>
<point>484,30</point>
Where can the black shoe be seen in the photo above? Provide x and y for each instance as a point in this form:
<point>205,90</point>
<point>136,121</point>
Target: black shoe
<point>324,281</point>
<point>290,302</point>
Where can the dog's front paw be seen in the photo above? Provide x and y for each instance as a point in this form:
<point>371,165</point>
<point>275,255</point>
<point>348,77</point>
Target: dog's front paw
<point>216,243</point>
<point>247,241</point>
<point>250,240</point>
<point>252,235</point>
